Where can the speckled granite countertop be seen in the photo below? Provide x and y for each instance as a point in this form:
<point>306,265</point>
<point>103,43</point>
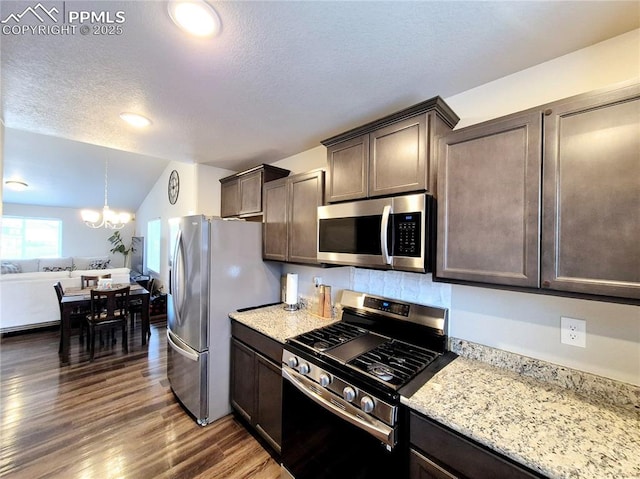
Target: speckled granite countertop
<point>547,427</point>
<point>275,322</point>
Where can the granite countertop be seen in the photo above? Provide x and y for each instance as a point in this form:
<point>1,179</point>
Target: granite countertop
<point>562,423</point>
<point>550,429</point>
<point>278,324</point>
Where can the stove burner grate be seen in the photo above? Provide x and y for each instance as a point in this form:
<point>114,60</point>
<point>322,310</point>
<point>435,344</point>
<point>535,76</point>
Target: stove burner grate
<point>330,336</point>
<point>394,362</point>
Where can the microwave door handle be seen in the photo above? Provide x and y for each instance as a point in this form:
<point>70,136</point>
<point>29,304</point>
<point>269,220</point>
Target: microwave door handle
<point>384,228</point>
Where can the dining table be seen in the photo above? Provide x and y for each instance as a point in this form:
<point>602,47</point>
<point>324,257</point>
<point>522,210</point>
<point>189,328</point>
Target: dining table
<point>75,299</point>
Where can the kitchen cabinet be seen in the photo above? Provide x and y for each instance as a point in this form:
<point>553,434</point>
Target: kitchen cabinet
<point>241,193</point>
<point>439,453</point>
<point>581,156</point>
<point>256,382</point>
<point>591,188</point>
<point>290,217</point>
<point>393,155</point>
<point>488,202</point>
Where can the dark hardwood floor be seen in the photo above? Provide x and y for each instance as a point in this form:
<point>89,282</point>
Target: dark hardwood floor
<point>113,418</point>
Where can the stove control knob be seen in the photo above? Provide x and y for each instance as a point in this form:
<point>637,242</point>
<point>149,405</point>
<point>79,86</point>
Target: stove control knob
<point>304,368</point>
<point>292,362</point>
<point>348,394</point>
<point>324,380</point>
<point>367,404</point>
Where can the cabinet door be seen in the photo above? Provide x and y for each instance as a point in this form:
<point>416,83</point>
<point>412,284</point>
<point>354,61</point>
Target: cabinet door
<point>422,468</point>
<point>274,229</point>
<point>306,194</point>
<point>229,199</point>
<point>348,163</point>
<point>243,390</point>
<point>488,202</point>
<point>591,202</point>
<point>250,187</point>
<point>269,405</point>
<point>398,157</point>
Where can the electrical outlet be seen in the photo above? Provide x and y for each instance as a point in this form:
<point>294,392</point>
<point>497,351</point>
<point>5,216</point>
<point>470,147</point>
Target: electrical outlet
<point>317,281</point>
<point>573,332</point>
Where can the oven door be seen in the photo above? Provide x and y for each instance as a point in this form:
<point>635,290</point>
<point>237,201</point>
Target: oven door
<point>323,438</point>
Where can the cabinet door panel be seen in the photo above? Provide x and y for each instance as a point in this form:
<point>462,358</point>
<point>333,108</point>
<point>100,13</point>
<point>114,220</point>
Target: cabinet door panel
<point>397,155</point>
<point>274,229</point>
<point>591,214</point>
<point>229,199</point>
<point>269,406</point>
<point>488,202</point>
<point>348,169</point>
<point>306,195</point>
<point>422,468</point>
<point>250,193</point>
<point>243,391</point>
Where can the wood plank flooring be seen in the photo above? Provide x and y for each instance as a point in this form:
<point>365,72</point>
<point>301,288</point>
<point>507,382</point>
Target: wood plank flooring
<point>113,418</point>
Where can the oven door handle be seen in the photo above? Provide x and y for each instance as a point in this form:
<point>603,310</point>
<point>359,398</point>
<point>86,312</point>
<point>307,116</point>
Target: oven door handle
<point>340,408</point>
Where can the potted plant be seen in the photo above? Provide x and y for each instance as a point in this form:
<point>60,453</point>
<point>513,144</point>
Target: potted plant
<point>119,247</point>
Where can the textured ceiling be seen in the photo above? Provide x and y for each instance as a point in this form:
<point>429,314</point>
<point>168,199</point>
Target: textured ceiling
<point>279,78</point>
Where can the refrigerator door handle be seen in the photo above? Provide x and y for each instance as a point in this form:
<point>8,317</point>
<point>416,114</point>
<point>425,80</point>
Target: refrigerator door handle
<point>177,280</point>
<point>179,349</point>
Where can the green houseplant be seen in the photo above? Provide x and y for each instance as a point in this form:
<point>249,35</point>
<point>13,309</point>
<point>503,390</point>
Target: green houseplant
<point>119,247</point>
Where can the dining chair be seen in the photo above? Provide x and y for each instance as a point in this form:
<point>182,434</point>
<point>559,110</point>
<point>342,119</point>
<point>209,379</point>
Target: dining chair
<point>87,281</point>
<point>135,306</point>
<point>109,309</point>
<point>77,316</point>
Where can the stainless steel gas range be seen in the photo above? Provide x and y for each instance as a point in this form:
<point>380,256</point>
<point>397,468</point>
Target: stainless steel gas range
<point>341,394</point>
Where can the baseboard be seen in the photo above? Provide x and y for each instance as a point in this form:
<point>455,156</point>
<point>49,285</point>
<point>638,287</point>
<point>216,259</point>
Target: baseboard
<point>27,328</point>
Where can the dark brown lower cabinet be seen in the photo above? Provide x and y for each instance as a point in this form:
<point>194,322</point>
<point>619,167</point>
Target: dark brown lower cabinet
<point>439,453</point>
<point>256,382</point>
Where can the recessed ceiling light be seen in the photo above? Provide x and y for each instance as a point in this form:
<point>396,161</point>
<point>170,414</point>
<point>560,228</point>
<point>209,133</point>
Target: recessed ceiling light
<point>16,185</point>
<point>134,119</point>
<point>195,16</point>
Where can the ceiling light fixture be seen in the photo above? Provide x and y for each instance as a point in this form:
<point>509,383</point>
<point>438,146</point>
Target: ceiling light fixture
<point>134,119</point>
<point>109,219</point>
<point>16,185</point>
<point>195,16</point>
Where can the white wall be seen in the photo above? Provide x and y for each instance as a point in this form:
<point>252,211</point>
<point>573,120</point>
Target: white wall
<point>77,238</point>
<point>524,323</point>
<point>199,194</point>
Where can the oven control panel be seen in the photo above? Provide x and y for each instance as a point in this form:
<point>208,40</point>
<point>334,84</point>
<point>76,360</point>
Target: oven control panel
<point>401,309</point>
<point>364,402</point>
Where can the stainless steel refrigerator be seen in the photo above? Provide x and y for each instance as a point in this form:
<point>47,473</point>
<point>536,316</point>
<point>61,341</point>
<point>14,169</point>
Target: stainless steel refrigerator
<point>217,268</point>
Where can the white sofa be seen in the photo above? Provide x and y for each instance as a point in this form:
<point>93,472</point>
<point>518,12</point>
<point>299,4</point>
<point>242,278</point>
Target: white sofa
<point>27,297</point>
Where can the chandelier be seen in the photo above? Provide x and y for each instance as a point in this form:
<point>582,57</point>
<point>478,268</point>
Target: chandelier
<point>109,219</point>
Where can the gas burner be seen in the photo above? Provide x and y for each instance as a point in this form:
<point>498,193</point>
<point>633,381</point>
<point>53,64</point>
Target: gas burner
<point>381,371</point>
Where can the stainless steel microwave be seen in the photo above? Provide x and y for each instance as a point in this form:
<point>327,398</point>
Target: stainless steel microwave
<point>384,233</point>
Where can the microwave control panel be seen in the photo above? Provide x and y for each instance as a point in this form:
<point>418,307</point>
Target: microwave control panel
<point>407,234</point>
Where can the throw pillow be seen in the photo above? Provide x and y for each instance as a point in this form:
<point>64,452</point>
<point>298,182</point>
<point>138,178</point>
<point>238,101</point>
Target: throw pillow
<point>99,264</point>
<point>10,268</point>
<point>50,269</point>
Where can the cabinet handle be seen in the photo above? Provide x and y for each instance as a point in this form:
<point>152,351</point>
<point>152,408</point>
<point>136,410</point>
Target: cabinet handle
<point>548,112</point>
<point>546,284</point>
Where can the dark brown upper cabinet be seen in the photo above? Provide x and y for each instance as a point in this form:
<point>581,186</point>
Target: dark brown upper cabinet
<point>547,198</point>
<point>489,202</point>
<point>241,193</point>
<point>591,194</point>
<point>393,155</point>
<point>290,217</point>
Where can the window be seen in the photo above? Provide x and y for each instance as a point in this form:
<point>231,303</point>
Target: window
<point>25,238</point>
<point>153,245</point>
